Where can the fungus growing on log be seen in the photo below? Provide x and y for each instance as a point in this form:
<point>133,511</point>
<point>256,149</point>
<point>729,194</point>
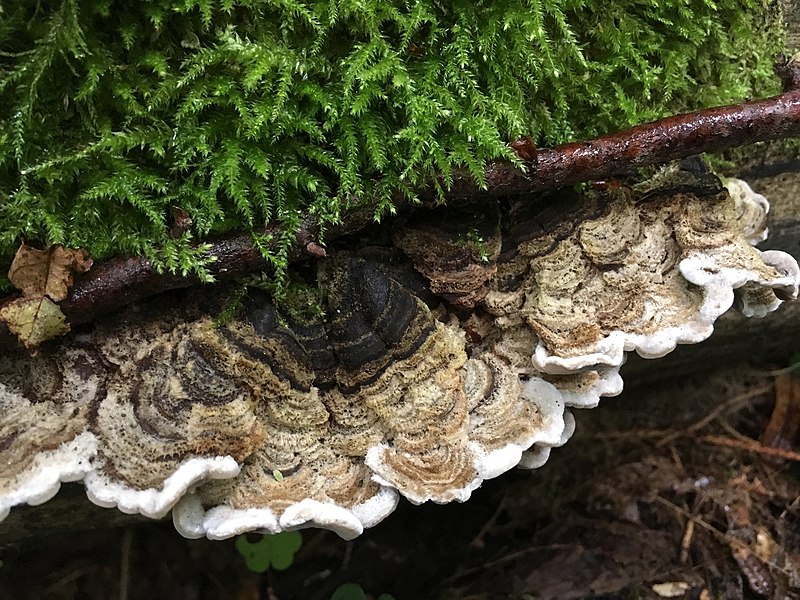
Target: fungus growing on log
<point>633,271</point>
<point>394,385</point>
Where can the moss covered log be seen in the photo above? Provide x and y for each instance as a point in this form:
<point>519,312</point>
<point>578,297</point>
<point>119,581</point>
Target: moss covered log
<point>115,117</point>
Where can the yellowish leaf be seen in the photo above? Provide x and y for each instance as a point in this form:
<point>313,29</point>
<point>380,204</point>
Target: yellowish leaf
<point>34,320</point>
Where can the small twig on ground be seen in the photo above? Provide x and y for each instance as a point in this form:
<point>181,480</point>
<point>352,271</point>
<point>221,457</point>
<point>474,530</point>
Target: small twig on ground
<point>734,433</point>
<point>792,368</point>
<point>717,533</point>
<point>686,541</point>
<point>726,407</point>
<point>112,285</point>
<point>662,437</point>
<point>676,458</point>
<point>636,434</point>
<point>727,537</point>
<point>670,434</point>
<point>751,446</point>
<point>505,559</point>
<point>793,506</point>
<point>477,541</point>
<point>125,564</point>
<point>784,422</point>
<point>348,555</point>
<point>83,569</point>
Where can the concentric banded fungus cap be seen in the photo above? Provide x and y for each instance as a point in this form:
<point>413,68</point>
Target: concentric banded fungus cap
<point>44,409</point>
<point>377,396</point>
<point>456,250</point>
<point>279,419</point>
<point>632,271</point>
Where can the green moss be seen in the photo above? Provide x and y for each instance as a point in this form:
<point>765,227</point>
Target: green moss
<point>292,296</point>
<point>477,242</point>
<point>239,113</point>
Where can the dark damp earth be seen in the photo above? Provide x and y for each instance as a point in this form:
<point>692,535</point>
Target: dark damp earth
<point>663,492</point>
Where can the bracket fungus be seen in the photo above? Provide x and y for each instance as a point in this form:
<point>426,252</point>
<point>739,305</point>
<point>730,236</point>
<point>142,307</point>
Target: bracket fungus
<point>276,420</point>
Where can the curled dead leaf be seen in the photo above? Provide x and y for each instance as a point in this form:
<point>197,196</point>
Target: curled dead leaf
<point>47,272</point>
<point>182,222</point>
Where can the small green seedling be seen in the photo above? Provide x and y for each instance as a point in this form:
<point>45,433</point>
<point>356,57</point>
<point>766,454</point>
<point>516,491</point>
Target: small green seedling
<point>276,551</point>
<point>353,591</point>
<point>475,238</point>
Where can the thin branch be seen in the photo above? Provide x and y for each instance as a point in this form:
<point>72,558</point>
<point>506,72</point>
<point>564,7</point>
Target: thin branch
<point>112,285</point>
<point>119,282</point>
<point>751,446</point>
<point>659,142</point>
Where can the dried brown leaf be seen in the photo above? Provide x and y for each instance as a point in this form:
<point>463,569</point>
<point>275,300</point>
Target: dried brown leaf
<point>47,272</point>
<point>34,320</point>
<point>182,222</point>
<point>765,547</point>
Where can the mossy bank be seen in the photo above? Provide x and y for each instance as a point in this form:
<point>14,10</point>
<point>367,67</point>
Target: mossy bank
<point>115,115</point>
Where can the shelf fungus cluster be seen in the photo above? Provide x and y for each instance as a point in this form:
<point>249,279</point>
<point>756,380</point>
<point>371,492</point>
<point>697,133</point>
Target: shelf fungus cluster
<point>429,366</point>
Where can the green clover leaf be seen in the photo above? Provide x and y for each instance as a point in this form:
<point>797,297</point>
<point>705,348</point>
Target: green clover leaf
<point>349,591</point>
<point>276,551</point>
<point>353,591</point>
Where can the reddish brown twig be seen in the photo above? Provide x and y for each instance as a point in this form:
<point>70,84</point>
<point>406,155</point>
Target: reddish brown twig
<point>784,422</point>
<point>116,283</point>
<point>121,281</point>
<point>665,140</point>
<point>751,446</point>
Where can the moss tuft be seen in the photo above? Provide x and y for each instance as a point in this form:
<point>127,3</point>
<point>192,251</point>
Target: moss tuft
<point>243,112</point>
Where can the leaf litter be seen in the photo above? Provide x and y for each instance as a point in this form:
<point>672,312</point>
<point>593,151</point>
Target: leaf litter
<point>44,277</point>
